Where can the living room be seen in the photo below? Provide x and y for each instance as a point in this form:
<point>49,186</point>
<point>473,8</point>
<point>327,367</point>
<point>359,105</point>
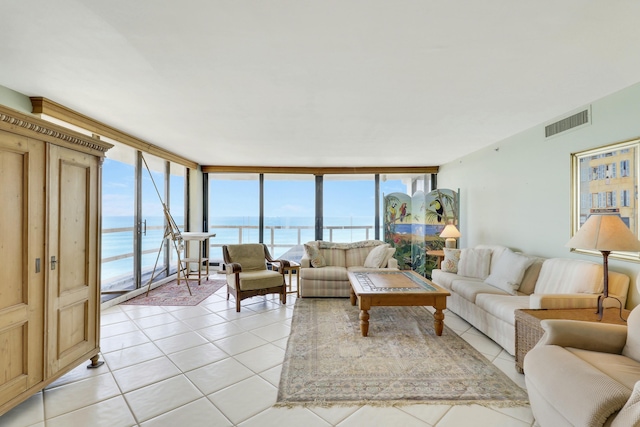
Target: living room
<point>515,191</point>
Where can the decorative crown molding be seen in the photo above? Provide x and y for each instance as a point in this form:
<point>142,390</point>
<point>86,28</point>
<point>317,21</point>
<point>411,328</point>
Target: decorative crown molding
<point>50,130</point>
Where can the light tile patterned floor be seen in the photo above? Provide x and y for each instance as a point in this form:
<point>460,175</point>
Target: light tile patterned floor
<point>210,366</point>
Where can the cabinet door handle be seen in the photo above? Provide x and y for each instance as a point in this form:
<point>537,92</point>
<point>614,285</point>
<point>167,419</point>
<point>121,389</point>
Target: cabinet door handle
<point>53,262</point>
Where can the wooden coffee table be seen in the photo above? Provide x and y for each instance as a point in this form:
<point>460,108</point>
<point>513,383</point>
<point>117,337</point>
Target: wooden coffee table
<point>396,288</point>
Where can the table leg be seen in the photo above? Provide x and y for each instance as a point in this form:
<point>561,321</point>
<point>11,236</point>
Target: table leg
<point>438,321</point>
<point>352,297</point>
<point>364,322</point>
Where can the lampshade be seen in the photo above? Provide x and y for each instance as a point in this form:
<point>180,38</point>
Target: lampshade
<point>450,231</point>
<point>605,232</point>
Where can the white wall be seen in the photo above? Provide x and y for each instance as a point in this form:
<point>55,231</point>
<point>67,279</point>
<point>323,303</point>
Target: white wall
<point>517,192</point>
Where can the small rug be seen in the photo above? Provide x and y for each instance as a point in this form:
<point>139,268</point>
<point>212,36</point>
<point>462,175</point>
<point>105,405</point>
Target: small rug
<point>402,361</point>
<point>173,294</point>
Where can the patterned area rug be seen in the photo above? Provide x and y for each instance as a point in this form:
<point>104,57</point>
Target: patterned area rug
<point>402,361</point>
<point>172,294</point>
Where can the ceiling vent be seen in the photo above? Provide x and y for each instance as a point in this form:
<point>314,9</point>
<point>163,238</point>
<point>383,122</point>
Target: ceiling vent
<point>576,120</point>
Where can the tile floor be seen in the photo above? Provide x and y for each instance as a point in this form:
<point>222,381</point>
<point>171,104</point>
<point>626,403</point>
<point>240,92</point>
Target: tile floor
<point>210,366</point>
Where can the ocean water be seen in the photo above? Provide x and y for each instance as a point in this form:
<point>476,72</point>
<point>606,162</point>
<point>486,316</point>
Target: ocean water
<point>282,235</point>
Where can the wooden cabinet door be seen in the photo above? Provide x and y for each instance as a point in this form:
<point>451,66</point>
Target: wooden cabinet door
<point>73,265</point>
<point>22,268</point>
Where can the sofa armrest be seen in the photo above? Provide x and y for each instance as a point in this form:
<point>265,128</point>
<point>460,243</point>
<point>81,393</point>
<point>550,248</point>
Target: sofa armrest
<point>305,262</point>
<point>541,301</point>
<point>393,263</point>
<point>592,336</point>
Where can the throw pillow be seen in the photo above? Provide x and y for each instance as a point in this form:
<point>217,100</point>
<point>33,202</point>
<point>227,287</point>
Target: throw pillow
<point>451,260</point>
<point>508,271</point>
<point>474,263</point>
<point>387,257</point>
<point>376,256</point>
<point>316,259</point>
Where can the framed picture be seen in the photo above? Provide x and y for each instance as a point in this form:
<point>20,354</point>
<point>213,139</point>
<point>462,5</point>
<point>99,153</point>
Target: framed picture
<point>606,180</point>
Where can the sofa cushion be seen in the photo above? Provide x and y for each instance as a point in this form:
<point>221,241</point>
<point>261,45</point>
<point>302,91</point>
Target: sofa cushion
<point>508,271</point>
<point>376,256</point>
<point>313,253</point>
<point>250,256</point>
<point>569,276</point>
<point>474,263</point>
<point>443,278</point>
<point>451,260</point>
<point>328,273</point>
<point>256,279</point>
<point>357,256</point>
<point>502,306</point>
<point>334,257</point>
<point>621,368</point>
<point>469,289</point>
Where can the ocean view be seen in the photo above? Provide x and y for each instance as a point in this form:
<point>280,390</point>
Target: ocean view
<point>281,234</point>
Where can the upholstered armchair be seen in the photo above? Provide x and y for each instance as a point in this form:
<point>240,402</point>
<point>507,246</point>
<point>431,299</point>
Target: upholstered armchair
<point>585,374</point>
<point>247,273</point>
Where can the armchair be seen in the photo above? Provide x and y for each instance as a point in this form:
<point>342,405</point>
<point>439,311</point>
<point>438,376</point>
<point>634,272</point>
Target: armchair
<point>585,374</point>
<point>247,273</point>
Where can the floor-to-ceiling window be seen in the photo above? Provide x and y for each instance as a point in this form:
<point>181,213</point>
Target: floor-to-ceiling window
<point>177,205</point>
<point>136,245</point>
<point>348,207</point>
<point>234,210</point>
<point>153,262</point>
<point>285,210</point>
<point>118,219</point>
<point>289,214</point>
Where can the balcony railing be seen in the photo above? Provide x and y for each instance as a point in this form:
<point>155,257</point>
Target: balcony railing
<point>244,233</point>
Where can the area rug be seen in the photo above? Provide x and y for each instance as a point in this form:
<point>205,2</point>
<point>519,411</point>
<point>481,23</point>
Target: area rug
<point>173,294</point>
<point>402,361</point>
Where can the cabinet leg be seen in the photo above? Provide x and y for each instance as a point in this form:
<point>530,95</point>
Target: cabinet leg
<point>95,362</point>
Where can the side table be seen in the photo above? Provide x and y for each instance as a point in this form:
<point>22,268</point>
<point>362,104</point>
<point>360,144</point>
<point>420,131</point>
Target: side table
<point>529,331</point>
<point>437,253</point>
<point>294,267</point>
<point>203,239</point>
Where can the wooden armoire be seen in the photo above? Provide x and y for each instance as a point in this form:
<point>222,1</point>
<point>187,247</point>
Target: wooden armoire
<point>50,195</point>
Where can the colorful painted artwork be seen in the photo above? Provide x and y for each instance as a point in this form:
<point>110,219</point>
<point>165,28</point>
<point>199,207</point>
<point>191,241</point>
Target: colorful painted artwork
<point>413,226</point>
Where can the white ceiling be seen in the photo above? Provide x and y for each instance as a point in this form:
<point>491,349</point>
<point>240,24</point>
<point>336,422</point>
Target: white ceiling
<point>320,82</point>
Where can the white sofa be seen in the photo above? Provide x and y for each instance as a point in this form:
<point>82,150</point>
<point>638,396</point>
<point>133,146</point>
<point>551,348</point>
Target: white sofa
<point>324,265</point>
<point>486,293</point>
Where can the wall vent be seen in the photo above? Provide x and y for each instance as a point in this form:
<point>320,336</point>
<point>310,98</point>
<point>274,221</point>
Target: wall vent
<point>571,122</point>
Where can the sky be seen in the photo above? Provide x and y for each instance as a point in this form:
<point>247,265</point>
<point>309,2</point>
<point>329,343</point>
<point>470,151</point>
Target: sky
<point>342,198</point>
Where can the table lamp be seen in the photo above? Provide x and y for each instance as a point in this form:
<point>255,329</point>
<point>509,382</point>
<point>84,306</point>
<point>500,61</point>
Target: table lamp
<point>605,233</point>
<point>450,234</point>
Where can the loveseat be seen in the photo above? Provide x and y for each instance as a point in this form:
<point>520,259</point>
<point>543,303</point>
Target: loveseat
<point>585,374</point>
<point>324,265</point>
<point>489,283</point>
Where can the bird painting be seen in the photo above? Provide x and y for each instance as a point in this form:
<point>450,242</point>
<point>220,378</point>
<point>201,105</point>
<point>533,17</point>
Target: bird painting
<point>438,208</point>
<point>403,212</point>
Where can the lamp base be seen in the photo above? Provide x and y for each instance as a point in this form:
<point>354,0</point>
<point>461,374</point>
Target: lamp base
<point>450,243</point>
<point>600,310</point>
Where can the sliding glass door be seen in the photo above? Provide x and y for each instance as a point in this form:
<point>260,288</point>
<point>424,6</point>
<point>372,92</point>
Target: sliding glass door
<point>136,188</point>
